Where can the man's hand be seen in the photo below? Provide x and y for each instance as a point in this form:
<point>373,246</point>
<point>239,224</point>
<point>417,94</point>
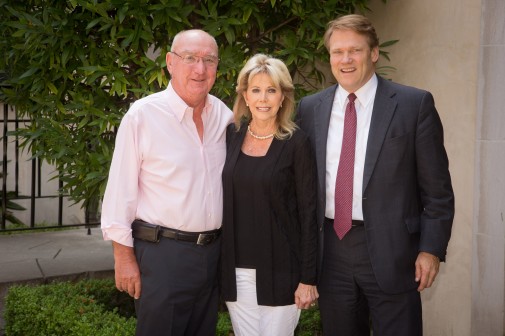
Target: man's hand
<point>427,266</point>
<point>127,273</point>
<point>305,295</point>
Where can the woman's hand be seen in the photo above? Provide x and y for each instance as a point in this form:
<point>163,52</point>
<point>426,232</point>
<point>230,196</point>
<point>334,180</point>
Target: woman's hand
<point>305,296</point>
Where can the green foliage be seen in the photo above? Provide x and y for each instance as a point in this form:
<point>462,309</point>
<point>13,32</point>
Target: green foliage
<point>74,67</point>
<point>88,307</point>
<point>64,308</point>
<point>309,323</point>
<point>224,327</point>
<point>10,205</point>
<point>95,307</point>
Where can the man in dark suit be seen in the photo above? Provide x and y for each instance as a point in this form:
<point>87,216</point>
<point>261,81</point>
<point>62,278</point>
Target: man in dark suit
<point>385,199</point>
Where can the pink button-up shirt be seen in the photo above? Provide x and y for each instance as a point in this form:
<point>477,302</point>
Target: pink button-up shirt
<point>161,172</point>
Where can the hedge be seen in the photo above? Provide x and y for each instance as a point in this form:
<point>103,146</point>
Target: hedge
<point>88,307</point>
<point>93,307</point>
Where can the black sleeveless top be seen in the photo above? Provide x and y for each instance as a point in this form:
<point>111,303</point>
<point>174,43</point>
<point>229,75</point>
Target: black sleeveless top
<point>250,199</point>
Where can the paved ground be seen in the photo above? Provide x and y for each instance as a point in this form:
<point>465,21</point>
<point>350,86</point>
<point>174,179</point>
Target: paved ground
<point>41,257</point>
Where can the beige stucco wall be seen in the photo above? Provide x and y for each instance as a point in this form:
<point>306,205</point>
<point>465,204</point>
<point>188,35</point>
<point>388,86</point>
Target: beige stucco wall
<point>488,284</point>
<point>439,51</point>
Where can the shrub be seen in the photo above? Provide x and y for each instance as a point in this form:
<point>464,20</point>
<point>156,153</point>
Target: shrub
<point>224,327</point>
<point>310,323</point>
<point>65,309</point>
<point>88,307</point>
<point>95,307</point>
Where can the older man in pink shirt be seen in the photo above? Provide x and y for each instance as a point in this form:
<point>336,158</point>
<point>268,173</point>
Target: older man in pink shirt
<point>162,207</point>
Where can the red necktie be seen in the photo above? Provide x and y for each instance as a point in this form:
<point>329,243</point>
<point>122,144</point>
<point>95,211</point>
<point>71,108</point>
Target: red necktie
<point>345,173</point>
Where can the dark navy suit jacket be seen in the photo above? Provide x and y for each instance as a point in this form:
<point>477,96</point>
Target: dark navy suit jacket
<point>408,201</point>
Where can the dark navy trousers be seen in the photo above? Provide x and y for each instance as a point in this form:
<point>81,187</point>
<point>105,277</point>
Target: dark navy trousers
<point>350,299</point>
<point>179,293</point>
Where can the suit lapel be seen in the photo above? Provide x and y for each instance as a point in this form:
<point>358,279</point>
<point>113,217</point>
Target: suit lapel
<point>383,110</point>
<point>237,140</point>
<point>322,113</point>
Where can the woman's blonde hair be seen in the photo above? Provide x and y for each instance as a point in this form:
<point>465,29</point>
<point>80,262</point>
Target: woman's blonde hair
<point>279,74</point>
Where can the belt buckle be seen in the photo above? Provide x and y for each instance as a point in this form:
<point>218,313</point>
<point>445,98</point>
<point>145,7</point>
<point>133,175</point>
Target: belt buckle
<point>204,239</point>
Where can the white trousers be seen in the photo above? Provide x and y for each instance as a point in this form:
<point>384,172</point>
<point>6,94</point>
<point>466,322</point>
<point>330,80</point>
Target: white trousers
<point>250,319</point>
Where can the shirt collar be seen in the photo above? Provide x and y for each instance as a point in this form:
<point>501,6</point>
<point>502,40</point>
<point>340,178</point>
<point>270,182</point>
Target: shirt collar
<point>180,108</point>
<point>364,94</point>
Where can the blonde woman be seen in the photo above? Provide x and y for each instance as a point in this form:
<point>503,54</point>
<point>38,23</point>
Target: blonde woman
<point>269,225</point>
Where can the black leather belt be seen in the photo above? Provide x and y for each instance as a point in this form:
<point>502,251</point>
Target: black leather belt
<point>355,222</point>
<point>152,233</point>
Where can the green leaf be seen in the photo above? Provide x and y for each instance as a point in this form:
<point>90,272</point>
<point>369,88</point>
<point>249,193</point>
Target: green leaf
<point>122,13</point>
<point>29,73</point>
<point>64,56</point>
<point>52,88</point>
<point>388,43</point>
<point>247,14</point>
<point>93,23</point>
<point>14,206</point>
<point>230,35</point>
<point>83,123</point>
<point>93,68</point>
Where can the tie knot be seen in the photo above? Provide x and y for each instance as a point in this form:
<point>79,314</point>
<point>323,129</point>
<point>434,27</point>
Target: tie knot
<point>351,97</point>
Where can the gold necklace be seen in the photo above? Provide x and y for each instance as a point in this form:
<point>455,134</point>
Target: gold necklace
<point>259,137</point>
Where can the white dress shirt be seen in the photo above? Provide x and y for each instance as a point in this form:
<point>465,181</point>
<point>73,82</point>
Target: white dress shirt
<point>364,106</point>
<point>161,172</point>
